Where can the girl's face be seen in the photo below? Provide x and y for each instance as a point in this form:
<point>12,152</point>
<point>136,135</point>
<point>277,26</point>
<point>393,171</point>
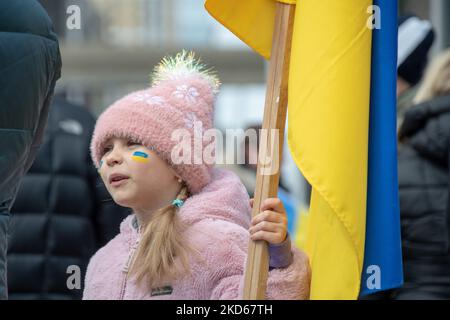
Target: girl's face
<point>135,176</point>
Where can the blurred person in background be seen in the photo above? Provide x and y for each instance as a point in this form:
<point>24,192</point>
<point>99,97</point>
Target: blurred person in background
<point>30,64</point>
<point>424,160</point>
<point>62,213</point>
<point>415,38</point>
<point>247,173</point>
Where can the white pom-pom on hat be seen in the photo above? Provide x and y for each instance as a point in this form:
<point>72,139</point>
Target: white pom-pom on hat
<point>182,65</point>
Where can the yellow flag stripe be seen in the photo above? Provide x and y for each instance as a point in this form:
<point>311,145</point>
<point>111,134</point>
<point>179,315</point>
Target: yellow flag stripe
<point>328,136</point>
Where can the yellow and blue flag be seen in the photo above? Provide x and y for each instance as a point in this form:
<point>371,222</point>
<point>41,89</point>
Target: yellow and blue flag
<point>328,127</point>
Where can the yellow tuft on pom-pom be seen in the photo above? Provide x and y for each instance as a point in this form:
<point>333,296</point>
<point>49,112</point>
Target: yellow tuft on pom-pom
<point>181,65</point>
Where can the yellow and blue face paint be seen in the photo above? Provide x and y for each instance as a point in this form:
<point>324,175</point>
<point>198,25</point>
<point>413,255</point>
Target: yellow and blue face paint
<point>100,164</point>
<point>140,156</point>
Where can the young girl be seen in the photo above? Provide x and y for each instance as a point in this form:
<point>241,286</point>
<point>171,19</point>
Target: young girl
<point>188,235</point>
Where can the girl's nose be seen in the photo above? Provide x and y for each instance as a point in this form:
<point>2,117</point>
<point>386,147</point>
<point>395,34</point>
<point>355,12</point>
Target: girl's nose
<point>114,157</point>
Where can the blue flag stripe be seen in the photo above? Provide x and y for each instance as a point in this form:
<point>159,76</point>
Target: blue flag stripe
<point>383,255</point>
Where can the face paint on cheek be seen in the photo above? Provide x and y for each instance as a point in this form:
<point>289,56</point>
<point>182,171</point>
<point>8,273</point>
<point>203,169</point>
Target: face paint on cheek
<point>100,164</point>
<point>140,156</point>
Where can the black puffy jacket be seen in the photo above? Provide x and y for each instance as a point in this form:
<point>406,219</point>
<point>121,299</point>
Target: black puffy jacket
<point>30,64</point>
<point>424,200</point>
<point>62,213</point>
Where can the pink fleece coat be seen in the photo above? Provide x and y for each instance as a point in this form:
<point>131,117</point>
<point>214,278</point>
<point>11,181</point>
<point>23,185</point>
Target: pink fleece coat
<point>218,219</point>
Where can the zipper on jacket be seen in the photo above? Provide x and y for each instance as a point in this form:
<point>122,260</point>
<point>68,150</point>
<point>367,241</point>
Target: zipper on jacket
<point>126,267</point>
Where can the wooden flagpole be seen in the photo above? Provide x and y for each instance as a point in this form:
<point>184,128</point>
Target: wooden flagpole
<point>267,177</point>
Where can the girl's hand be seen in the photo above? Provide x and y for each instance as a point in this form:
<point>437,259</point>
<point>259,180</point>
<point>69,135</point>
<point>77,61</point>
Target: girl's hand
<point>271,223</point>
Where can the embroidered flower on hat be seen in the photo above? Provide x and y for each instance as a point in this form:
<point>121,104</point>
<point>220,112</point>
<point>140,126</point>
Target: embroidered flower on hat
<point>189,94</point>
<point>148,99</point>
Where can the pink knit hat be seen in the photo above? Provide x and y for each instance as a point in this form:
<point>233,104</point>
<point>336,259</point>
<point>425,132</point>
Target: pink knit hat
<point>181,96</point>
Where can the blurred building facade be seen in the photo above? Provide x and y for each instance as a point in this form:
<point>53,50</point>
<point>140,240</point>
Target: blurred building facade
<point>119,42</point>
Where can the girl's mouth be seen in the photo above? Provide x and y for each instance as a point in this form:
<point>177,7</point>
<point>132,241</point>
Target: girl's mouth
<point>118,183</point>
<point>117,179</point>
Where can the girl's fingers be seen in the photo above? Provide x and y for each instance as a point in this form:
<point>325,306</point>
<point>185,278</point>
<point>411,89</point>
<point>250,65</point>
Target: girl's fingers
<point>266,226</point>
<point>270,237</point>
<point>269,216</point>
<point>273,204</point>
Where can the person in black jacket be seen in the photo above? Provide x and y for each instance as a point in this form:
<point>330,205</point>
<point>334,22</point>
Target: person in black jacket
<point>415,39</point>
<point>62,214</point>
<point>30,64</point>
<point>424,172</point>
